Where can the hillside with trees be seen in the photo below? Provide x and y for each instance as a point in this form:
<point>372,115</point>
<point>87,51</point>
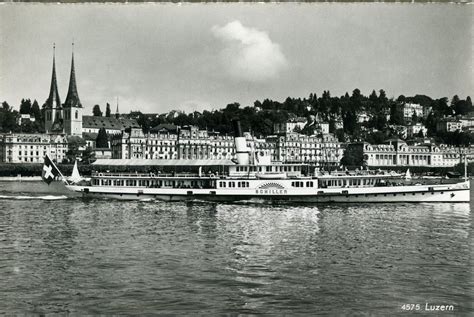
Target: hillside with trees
<point>382,112</point>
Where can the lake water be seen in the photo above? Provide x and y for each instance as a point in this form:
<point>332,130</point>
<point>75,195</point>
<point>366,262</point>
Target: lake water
<point>70,255</point>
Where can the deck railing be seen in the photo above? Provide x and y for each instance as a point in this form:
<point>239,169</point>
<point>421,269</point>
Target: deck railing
<point>244,175</point>
<point>148,175</point>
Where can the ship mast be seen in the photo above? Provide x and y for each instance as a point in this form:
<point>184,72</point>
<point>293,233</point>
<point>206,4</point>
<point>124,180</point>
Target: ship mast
<point>465,165</point>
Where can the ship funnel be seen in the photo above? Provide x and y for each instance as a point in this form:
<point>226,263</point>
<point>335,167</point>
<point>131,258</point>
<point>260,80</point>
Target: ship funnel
<point>241,149</point>
<point>237,128</point>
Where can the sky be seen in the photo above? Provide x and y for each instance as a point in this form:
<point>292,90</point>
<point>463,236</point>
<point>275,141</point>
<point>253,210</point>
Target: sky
<point>190,57</point>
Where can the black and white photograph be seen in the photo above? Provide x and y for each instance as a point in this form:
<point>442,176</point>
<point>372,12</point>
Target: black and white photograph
<point>236,159</point>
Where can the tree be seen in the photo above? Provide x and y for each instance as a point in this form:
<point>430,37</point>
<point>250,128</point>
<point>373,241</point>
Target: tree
<point>8,119</point>
<point>420,134</point>
<point>350,122</point>
<point>373,96</point>
<point>353,155</point>
<point>423,100</point>
<point>454,101</point>
<point>430,123</point>
<point>440,106</point>
<point>401,98</point>
<point>462,107</point>
<point>25,106</point>
<point>382,96</point>
<point>102,140</point>
<point>35,111</point>
<point>88,156</point>
<point>28,126</point>
<point>96,111</point>
<point>396,114</point>
<point>356,100</point>
<point>380,121</point>
<point>74,144</point>
<point>107,110</point>
<point>340,135</point>
<point>182,119</point>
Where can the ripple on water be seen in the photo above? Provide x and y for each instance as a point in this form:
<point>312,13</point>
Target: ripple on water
<point>110,257</point>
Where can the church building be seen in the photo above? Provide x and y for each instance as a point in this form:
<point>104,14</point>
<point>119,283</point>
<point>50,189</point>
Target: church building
<point>68,118</point>
<point>63,118</point>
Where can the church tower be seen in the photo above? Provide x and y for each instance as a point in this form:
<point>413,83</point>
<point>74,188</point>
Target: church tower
<point>117,114</point>
<point>53,103</point>
<point>72,106</point>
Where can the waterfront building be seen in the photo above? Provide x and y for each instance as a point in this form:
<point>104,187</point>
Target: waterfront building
<point>189,142</point>
<point>320,150</point>
<point>222,146</point>
<point>271,144</point>
<point>32,148</point>
<point>161,143</point>
<point>290,147</point>
<point>397,153</point>
<point>201,144</point>
<point>311,149</point>
<point>133,143</point>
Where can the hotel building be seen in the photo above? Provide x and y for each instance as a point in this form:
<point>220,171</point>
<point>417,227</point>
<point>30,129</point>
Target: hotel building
<point>398,153</point>
<point>32,148</point>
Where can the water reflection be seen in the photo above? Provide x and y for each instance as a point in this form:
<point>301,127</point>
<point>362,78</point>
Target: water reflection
<point>110,257</point>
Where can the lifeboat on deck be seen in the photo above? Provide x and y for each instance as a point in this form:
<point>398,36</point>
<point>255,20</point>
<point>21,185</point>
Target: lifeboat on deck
<point>271,175</point>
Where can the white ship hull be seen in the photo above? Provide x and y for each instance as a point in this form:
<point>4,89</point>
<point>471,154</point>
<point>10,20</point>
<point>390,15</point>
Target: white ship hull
<point>450,193</point>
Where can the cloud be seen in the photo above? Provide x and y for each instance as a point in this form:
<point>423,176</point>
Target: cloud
<point>249,54</point>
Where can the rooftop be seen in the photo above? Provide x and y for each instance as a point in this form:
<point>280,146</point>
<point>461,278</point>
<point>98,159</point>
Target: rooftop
<point>109,123</point>
<point>164,127</point>
<point>160,162</point>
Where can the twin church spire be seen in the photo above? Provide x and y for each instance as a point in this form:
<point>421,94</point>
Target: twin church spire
<point>53,100</point>
<point>72,98</point>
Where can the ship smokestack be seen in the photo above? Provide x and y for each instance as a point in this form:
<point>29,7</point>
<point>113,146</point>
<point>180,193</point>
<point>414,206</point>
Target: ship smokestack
<point>241,149</point>
<point>237,128</point>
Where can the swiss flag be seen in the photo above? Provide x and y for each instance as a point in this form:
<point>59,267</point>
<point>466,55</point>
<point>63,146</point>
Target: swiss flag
<point>50,171</point>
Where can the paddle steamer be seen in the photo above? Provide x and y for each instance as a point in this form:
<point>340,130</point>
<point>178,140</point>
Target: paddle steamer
<point>253,176</point>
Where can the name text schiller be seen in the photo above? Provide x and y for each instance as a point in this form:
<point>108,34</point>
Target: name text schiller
<point>272,191</point>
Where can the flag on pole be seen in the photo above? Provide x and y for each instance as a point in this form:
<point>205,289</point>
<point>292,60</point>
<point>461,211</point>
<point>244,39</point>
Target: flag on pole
<point>50,171</point>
